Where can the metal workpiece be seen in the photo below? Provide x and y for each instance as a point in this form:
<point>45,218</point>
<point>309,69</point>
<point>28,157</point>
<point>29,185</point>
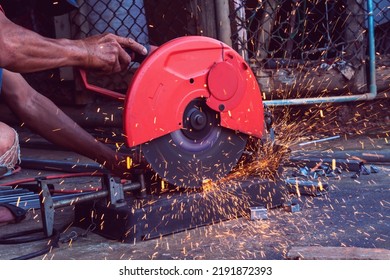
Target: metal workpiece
<point>365,170</point>
<point>59,165</point>
<point>134,186</point>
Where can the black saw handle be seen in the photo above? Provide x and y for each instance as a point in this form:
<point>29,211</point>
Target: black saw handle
<point>137,57</point>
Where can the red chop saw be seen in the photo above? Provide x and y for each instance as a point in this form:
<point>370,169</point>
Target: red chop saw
<point>190,109</point>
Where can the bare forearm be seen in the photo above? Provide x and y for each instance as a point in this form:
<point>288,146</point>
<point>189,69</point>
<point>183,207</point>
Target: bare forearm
<point>46,119</point>
<point>63,131</point>
<point>26,51</point>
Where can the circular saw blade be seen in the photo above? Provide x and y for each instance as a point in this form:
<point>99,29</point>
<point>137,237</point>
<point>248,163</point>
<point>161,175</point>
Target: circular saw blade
<point>200,151</point>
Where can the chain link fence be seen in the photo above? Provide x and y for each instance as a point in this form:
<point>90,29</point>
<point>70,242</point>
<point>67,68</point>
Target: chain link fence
<point>280,31</point>
<point>147,21</point>
<point>125,18</point>
<point>307,36</point>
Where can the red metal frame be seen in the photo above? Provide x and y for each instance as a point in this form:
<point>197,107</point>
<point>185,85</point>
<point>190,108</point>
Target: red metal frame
<point>98,89</point>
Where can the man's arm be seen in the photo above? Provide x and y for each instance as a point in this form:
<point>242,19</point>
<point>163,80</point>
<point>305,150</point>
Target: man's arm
<point>24,51</point>
<point>46,119</point>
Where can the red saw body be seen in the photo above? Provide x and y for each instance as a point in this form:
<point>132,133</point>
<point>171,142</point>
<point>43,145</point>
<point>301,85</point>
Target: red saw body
<point>185,69</point>
<point>190,108</point>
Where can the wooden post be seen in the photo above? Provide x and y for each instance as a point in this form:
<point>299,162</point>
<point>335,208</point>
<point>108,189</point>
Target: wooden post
<point>242,38</point>
<point>223,21</point>
<point>62,30</point>
<point>265,27</point>
<point>79,29</point>
<point>266,24</point>
<point>204,14</point>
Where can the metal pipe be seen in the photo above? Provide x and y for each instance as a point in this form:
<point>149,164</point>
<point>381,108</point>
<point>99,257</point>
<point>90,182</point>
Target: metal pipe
<point>62,165</point>
<point>223,21</point>
<point>319,100</point>
<point>319,140</point>
<point>92,196</point>
<point>371,47</point>
<point>351,98</point>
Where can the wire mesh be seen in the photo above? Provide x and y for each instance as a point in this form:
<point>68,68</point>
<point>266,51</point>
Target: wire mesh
<point>149,21</point>
<point>382,30</point>
<point>280,31</point>
<point>125,18</point>
<point>301,39</point>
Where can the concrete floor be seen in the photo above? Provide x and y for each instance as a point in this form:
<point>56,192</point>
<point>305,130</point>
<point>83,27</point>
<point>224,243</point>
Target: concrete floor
<point>353,213</point>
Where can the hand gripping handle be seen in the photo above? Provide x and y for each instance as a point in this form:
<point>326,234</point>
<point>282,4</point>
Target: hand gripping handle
<point>135,57</point>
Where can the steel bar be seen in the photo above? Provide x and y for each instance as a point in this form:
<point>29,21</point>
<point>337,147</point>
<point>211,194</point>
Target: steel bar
<point>60,165</point>
<point>319,140</point>
<point>95,195</point>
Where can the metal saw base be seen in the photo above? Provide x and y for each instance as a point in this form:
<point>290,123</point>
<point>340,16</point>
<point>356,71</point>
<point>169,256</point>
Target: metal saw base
<point>174,211</point>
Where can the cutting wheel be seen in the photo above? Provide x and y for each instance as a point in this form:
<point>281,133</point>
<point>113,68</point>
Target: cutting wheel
<point>201,150</point>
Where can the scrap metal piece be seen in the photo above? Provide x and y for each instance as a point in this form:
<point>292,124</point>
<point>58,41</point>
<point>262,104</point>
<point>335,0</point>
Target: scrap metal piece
<point>311,162</point>
<point>306,187</point>
<point>292,207</point>
<point>346,69</point>
<point>258,213</point>
<point>374,169</point>
<point>364,170</point>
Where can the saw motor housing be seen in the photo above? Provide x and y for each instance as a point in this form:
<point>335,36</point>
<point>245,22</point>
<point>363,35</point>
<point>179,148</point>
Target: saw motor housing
<point>182,70</point>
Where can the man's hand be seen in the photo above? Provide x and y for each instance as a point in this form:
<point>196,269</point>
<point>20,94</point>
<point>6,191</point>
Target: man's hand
<point>107,55</point>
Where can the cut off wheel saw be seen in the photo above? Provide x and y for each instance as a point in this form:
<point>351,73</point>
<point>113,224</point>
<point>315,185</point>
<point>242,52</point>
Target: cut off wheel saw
<point>191,107</point>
